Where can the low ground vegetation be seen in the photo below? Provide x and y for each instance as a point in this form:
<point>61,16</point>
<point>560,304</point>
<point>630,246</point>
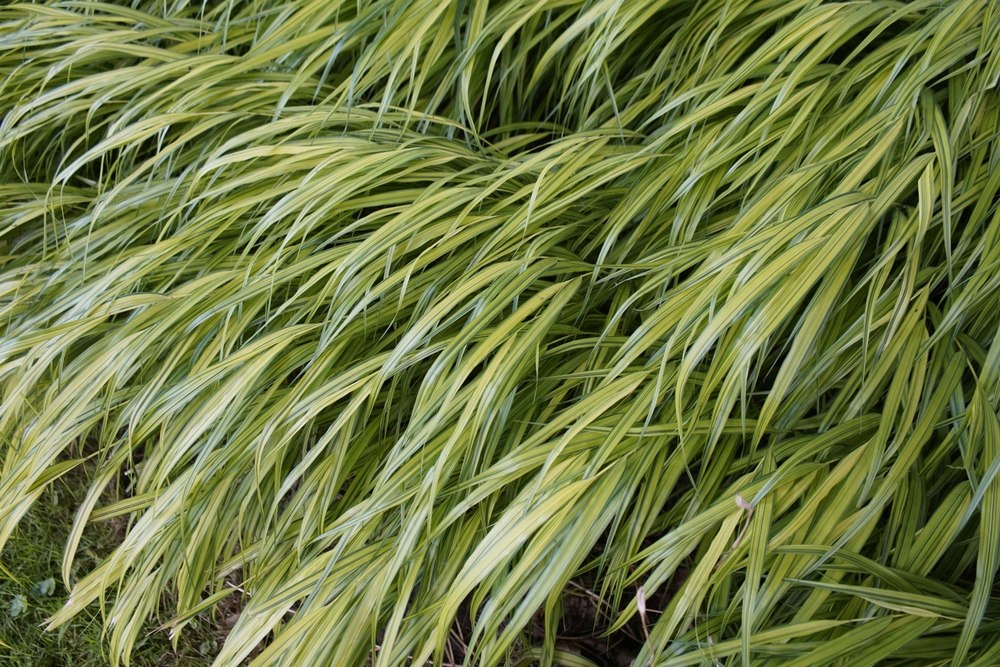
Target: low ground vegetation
<point>501,333</point>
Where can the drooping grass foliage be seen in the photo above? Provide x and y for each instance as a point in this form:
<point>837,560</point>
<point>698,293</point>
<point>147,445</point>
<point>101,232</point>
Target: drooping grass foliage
<point>410,313</point>
<point>30,592</point>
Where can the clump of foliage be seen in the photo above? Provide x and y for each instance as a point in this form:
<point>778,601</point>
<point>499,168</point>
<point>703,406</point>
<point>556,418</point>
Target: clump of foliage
<point>395,316</point>
<point>30,592</point>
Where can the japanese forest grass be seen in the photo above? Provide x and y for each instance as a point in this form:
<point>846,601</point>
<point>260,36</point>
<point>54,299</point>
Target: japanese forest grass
<point>410,313</point>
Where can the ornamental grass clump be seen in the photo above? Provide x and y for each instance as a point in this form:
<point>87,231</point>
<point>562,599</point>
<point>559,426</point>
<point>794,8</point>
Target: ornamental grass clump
<point>397,319</point>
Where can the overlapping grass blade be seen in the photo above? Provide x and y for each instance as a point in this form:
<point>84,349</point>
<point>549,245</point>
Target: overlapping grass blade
<point>411,313</point>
